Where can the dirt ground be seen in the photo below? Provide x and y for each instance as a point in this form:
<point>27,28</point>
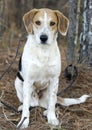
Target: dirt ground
<point>78,117</point>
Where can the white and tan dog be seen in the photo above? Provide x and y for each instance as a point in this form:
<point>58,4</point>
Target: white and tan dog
<point>40,65</point>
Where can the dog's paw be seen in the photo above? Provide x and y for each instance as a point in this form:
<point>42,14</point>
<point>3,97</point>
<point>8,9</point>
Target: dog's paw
<point>20,108</point>
<point>24,122</point>
<point>45,113</point>
<point>52,120</point>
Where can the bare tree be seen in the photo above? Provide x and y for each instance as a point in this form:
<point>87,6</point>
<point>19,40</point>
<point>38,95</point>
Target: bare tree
<point>86,34</point>
<point>71,31</point>
<point>3,15</point>
<point>83,53</point>
<point>90,32</point>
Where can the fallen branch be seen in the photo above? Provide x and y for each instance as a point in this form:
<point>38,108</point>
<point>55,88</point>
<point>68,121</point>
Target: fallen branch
<point>10,107</point>
<point>8,119</point>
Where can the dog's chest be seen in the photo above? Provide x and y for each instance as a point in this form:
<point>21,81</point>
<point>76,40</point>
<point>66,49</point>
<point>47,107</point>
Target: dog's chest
<point>41,63</point>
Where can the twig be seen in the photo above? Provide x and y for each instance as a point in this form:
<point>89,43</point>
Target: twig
<point>10,107</point>
<point>8,115</point>
<point>8,119</point>
<point>80,110</point>
<point>2,94</point>
<point>87,110</point>
<point>1,98</point>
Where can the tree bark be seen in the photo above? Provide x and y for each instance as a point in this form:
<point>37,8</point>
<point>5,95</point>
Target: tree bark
<point>86,35</point>
<point>3,15</point>
<point>71,31</point>
<point>83,53</point>
<point>90,32</point>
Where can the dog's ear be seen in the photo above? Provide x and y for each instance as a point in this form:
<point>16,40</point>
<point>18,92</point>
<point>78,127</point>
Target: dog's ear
<point>28,20</point>
<point>63,23</point>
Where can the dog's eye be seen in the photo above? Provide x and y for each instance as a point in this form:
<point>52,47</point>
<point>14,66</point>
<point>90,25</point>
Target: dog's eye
<point>38,22</point>
<point>52,23</point>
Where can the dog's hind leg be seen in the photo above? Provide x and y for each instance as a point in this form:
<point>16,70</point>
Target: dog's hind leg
<point>19,89</point>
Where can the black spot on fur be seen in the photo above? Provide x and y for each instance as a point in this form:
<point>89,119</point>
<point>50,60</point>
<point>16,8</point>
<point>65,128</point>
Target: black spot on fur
<point>20,64</point>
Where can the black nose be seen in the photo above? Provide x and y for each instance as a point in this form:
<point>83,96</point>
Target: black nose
<point>43,38</point>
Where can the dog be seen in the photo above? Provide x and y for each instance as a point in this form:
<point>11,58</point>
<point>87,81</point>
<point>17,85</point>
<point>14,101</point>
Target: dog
<point>37,81</point>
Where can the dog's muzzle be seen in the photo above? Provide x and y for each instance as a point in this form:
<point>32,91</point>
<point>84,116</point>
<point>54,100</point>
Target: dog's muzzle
<point>43,39</point>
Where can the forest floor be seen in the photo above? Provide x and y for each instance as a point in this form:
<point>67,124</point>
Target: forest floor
<point>77,117</point>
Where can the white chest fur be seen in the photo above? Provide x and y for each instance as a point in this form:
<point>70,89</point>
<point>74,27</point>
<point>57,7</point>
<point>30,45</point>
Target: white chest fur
<point>40,62</point>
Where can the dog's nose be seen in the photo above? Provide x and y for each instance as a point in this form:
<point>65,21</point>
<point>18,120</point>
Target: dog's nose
<point>43,38</point>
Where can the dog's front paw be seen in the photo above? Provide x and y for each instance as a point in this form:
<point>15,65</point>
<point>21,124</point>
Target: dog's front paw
<point>52,120</point>
<point>24,122</point>
<point>20,108</point>
<point>45,113</point>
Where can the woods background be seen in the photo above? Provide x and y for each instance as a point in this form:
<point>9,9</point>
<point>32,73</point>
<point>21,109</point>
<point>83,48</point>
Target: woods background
<point>11,23</point>
<point>75,48</point>
<point>11,12</point>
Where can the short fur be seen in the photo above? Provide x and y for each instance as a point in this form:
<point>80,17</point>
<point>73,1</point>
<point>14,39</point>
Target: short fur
<point>40,65</point>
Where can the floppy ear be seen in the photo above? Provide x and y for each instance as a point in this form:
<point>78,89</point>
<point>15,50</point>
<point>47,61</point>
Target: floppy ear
<point>28,20</point>
<point>63,23</point>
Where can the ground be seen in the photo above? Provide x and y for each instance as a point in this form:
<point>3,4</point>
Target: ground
<point>78,117</point>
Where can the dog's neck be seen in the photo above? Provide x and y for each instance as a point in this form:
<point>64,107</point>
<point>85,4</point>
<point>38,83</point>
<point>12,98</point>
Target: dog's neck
<point>45,51</point>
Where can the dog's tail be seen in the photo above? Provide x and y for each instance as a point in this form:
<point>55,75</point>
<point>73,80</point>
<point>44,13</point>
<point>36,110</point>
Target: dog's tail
<point>71,101</point>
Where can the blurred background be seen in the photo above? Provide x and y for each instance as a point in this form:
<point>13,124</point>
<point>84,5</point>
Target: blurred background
<point>11,12</point>
<point>75,48</point>
<point>12,26</point>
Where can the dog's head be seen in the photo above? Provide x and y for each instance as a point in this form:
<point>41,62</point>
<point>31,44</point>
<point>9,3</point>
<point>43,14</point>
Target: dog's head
<point>44,24</point>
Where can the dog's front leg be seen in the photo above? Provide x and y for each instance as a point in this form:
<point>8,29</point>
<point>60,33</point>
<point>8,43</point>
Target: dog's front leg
<point>53,88</point>
<point>27,92</point>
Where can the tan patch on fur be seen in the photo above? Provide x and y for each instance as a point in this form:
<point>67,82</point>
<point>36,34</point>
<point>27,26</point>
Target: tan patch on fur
<point>28,20</point>
<point>61,22</point>
<point>51,18</point>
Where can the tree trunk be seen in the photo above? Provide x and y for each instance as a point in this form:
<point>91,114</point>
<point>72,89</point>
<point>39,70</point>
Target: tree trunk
<point>83,53</point>
<point>71,31</point>
<point>86,35</point>
<point>3,15</point>
<point>90,32</point>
